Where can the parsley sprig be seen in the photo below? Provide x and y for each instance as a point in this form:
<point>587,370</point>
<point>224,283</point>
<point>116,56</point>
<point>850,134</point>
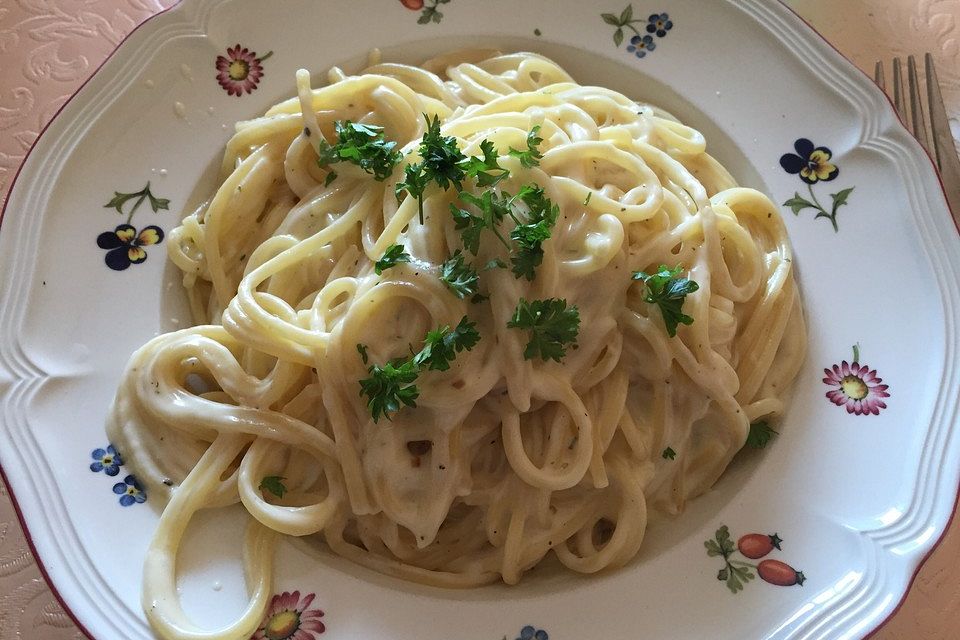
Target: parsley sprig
<point>442,345</point>
<point>393,385</point>
<point>668,291</point>
<point>441,160</point>
<point>761,433</point>
<point>493,209</point>
<point>393,256</point>
<point>362,145</point>
<point>273,484</point>
<point>531,156</point>
<point>462,279</point>
<point>529,236</point>
<point>552,327</point>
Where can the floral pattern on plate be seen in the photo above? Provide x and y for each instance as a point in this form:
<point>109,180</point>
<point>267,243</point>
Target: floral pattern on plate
<point>108,460</point>
<point>736,573</point>
<point>814,164</point>
<point>640,44</point>
<point>241,70</point>
<point>289,617</point>
<point>125,245</point>
<point>429,10</point>
<point>856,387</point>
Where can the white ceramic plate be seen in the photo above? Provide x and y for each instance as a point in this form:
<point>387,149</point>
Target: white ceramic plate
<point>858,496</point>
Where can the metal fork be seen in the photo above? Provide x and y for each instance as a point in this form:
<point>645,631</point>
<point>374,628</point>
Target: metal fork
<point>939,140</point>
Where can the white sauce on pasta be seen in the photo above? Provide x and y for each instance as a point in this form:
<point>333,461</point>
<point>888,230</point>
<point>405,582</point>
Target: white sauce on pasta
<point>526,457</point>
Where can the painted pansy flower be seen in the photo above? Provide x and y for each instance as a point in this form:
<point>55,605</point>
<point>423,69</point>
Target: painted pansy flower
<point>125,246</point>
<point>811,163</point>
<point>857,388</point>
<point>532,633</point>
<point>240,70</point>
<point>659,23</point>
<point>130,492</point>
<point>106,460</point>
<point>640,45</point>
<point>289,618</point>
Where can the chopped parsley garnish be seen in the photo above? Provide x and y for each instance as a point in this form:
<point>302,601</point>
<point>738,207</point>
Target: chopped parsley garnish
<point>760,434</point>
<point>273,484</point>
<point>460,278</point>
<point>551,326</point>
<point>442,345</point>
<point>668,292</point>
<point>392,386</point>
<point>529,237</point>
<point>393,256</point>
<point>441,161</point>
<point>362,350</point>
<point>389,387</point>
<point>364,146</point>
<point>481,168</point>
<point>532,156</point>
<point>493,209</point>
<point>669,454</point>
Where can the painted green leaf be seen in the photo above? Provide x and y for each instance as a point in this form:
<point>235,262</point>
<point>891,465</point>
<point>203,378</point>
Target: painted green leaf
<point>627,14</point>
<point>840,199</point>
<point>723,574</point>
<point>618,37</point>
<point>712,548</point>
<point>798,204</point>
<point>723,540</point>
<point>610,19</point>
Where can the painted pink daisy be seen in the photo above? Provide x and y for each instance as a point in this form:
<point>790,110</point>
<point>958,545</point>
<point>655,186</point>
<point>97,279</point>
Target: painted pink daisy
<point>857,387</point>
<point>288,618</point>
<point>240,70</point>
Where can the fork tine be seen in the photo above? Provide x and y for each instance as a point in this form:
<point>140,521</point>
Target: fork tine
<point>878,76</point>
<point>918,123</point>
<point>939,123</point>
<point>899,93</point>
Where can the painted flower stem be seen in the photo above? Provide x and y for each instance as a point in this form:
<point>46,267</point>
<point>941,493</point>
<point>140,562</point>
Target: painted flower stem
<point>265,56</point>
<point>856,353</point>
<point>136,205</point>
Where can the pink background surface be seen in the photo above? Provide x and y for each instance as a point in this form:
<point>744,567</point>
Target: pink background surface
<point>49,47</point>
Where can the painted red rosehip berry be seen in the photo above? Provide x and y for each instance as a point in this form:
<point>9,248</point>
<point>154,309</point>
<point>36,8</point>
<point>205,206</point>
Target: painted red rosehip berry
<point>780,573</point>
<point>757,545</point>
<point>415,5</point>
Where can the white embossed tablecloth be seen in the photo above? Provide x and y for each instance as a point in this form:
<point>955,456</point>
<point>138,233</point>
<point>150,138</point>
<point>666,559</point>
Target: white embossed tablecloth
<point>49,47</point>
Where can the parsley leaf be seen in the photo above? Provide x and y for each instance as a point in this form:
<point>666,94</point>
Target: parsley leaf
<point>760,434</point>
<point>393,385</point>
<point>442,157</point>
<point>530,237</point>
<point>493,209</point>
<point>667,291</point>
<point>459,277</point>
<point>273,484</point>
<point>532,156</point>
<point>480,168</point>
<point>393,256</point>
<point>551,325</point>
<point>389,387</point>
<point>415,183</point>
<point>441,160</point>
<point>364,146</point>
<point>441,345</point>
<point>362,350</point>
<point>669,454</point>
